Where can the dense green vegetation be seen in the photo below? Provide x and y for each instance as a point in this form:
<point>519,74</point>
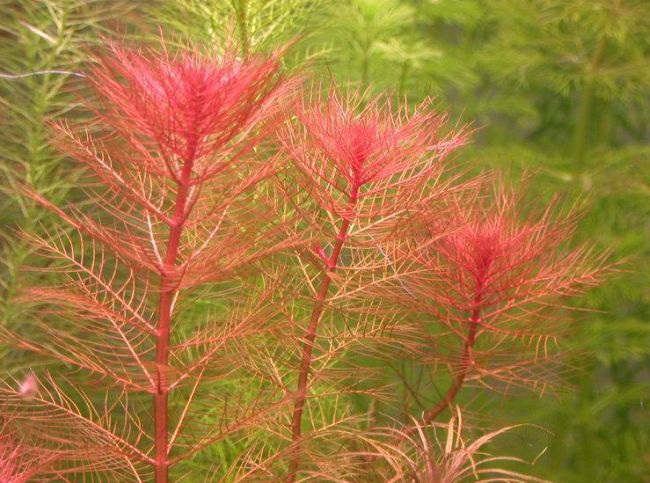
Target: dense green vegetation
<point>555,89</point>
<point>43,48</point>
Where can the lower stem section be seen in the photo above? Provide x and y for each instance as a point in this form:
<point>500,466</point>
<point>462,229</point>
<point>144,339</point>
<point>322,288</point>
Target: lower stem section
<point>162,392</point>
<point>308,345</point>
<point>163,330</point>
<point>162,463</point>
<point>452,392</point>
<point>465,364</point>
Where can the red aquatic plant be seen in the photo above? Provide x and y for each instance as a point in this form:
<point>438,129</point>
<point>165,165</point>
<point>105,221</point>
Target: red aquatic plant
<point>235,260</point>
<point>362,168</point>
<point>494,278</point>
<point>442,453</point>
<point>171,147</point>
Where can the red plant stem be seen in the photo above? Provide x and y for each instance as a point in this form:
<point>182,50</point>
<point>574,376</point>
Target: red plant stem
<point>465,364</point>
<point>465,359</point>
<point>168,291</point>
<point>308,344</point>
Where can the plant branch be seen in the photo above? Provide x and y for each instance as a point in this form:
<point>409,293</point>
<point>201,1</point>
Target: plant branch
<point>308,344</point>
<point>465,365</point>
<point>585,110</point>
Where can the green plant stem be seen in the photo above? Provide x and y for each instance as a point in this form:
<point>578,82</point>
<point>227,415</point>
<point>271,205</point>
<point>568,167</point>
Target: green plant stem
<point>366,45</point>
<point>403,76</point>
<point>585,111</point>
<point>242,26</point>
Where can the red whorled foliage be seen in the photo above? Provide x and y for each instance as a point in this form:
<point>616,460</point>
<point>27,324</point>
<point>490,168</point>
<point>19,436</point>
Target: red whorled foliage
<point>348,148</point>
<point>211,282</point>
<point>442,453</point>
<point>358,168</point>
<point>496,281</point>
<point>189,107</point>
<point>174,200</point>
<point>368,143</point>
<point>18,462</point>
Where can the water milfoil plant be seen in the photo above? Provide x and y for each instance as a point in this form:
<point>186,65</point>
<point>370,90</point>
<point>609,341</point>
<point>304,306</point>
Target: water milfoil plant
<point>360,167</point>
<point>241,261</point>
<point>168,209</point>
<point>489,283</point>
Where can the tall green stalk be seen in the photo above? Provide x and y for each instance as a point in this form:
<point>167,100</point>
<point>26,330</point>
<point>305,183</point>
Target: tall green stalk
<point>585,115</point>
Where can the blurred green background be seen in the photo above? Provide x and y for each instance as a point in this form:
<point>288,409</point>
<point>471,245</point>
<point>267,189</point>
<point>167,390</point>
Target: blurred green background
<point>556,88</point>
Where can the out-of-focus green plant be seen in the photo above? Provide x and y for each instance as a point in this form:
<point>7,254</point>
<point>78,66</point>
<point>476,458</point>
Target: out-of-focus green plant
<point>367,39</point>
<point>253,25</point>
<point>43,44</point>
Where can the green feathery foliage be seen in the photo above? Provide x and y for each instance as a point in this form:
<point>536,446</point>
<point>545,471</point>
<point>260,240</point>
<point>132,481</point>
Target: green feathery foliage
<point>43,46</point>
<point>251,25</point>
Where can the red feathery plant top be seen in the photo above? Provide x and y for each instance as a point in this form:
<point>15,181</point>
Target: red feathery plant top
<point>177,206</point>
<point>373,154</point>
<point>363,168</point>
<point>188,108</point>
<point>494,281</point>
